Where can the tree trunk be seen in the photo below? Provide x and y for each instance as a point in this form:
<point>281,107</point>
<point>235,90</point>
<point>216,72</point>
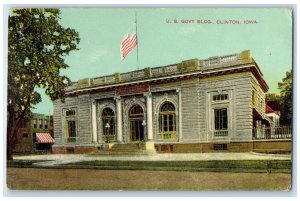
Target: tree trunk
<point>9,136</point>
<point>13,125</point>
<point>9,145</point>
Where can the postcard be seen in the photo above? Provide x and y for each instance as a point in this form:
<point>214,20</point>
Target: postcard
<point>150,99</point>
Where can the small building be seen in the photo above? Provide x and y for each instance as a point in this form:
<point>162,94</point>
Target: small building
<point>40,132</point>
<point>192,106</point>
<point>273,112</point>
<point>34,134</point>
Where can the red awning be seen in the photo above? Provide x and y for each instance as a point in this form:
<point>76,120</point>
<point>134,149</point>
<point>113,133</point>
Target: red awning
<point>256,115</point>
<point>44,138</point>
<point>269,109</point>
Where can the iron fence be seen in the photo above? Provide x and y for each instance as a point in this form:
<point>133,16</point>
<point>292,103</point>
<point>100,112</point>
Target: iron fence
<point>283,132</point>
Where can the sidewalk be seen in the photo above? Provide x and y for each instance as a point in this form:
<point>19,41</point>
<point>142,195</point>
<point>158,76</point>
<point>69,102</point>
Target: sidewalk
<point>59,159</point>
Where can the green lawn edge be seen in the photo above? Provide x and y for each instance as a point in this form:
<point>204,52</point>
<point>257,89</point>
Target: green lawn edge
<point>283,166</point>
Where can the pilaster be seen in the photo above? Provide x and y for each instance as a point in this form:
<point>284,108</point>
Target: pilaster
<point>179,115</point>
<point>119,119</point>
<point>94,121</point>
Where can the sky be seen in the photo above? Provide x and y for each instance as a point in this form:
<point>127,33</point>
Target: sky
<point>162,43</point>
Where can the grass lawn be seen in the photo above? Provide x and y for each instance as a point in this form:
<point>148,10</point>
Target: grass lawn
<point>283,166</point>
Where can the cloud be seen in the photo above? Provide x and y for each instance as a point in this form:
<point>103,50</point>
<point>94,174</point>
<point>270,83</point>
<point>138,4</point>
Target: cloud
<point>95,55</point>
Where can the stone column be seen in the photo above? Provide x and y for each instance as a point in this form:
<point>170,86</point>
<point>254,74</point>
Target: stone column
<point>179,115</point>
<point>119,119</point>
<point>149,143</point>
<point>149,117</point>
<point>94,121</point>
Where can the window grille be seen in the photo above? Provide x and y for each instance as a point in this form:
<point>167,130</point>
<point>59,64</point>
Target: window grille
<point>40,124</point>
<point>71,129</point>
<point>221,119</point>
<point>46,124</point>
<point>220,97</point>
<point>167,121</point>
<point>34,123</point>
<point>70,113</point>
<point>220,147</point>
<point>253,98</point>
<point>221,133</point>
<point>71,123</point>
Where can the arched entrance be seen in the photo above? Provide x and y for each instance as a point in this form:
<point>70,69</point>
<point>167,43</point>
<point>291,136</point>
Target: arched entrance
<point>136,128</point>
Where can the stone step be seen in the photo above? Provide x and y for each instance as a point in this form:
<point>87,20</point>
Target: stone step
<point>122,153</point>
<point>130,147</point>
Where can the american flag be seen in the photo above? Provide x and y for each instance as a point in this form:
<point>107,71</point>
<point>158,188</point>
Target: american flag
<point>128,44</point>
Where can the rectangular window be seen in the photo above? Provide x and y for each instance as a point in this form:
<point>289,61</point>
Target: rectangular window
<point>45,124</point>
<point>220,97</point>
<point>221,120</point>
<point>70,113</point>
<point>219,147</point>
<point>171,123</point>
<point>40,124</point>
<point>34,123</point>
<point>71,129</point>
<point>70,149</point>
<point>25,135</point>
<point>164,148</point>
<point>261,106</point>
<point>253,98</point>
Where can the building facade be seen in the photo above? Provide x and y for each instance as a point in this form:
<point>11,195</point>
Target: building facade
<point>41,129</point>
<point>26,140</point>
<point>193,106</point>
<point>23,140</point>
<point>273,112</point>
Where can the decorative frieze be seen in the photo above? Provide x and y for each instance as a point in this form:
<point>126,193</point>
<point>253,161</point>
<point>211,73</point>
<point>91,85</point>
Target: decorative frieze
<point>132,89</point>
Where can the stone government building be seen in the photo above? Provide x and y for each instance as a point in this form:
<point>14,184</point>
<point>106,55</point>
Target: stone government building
<point>216,104</point>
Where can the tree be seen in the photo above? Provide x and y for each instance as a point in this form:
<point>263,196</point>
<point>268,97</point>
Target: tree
<point>272,97</point>
<point>37,46</point>
<point>286,105</point>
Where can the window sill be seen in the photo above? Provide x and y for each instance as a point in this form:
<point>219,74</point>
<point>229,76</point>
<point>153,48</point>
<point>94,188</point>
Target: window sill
<point>70,140</point>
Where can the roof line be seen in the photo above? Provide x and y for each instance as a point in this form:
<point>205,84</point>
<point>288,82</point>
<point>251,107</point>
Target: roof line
<point>158,78</point>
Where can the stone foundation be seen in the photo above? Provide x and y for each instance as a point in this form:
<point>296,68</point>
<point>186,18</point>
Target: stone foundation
<point>255,146</point>
<point>266,146</point>
<point>272,146</point>
<point>74,150</point>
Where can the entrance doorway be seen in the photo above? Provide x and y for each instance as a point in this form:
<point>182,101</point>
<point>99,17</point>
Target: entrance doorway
<point>136,116</point>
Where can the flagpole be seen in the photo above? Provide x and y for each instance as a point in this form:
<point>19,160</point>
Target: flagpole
<point>137,43</point>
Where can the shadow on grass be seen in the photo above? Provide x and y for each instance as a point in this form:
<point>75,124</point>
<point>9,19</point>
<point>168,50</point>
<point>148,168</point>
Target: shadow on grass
<point>212,166</point>
<point>23,163</point>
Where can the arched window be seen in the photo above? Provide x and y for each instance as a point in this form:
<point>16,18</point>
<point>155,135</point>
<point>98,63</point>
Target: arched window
<point>108,119</point>
<point>167,121</point>
<point>136,111</point>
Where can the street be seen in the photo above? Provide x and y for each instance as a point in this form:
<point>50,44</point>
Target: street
<point>91,179</point>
